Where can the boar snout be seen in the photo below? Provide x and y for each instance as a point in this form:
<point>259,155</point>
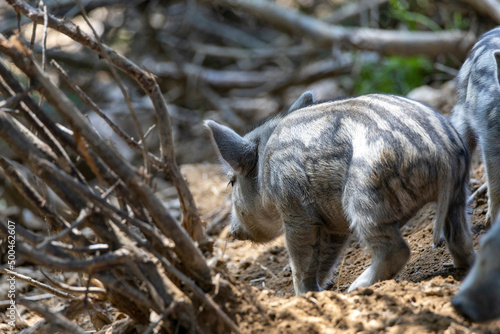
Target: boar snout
<point>257,228</point>
<point>238,232</point>
<point>479,296</point>
<point>464,308</point>
<point>476,306</point>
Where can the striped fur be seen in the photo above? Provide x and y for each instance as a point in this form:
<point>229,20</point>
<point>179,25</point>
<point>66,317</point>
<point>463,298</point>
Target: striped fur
<point>476,116</point>
<point>361,165</point>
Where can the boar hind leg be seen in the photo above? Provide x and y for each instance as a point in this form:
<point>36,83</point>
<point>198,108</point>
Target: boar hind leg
<point>389,253</point>
<point>303,245</point>
<point>457,232</point>
<point>330,248</point>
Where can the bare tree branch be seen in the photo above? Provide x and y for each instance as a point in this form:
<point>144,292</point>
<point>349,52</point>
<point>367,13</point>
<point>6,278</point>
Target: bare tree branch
<point>481,190</point>
<point>102,262</point>
<point>120,84</point>
<point>185,248</point>
<point>31,194</point>
<point>489,8</point>
<point>38,284</point>
<point>101,293</point>
<point>23,147</point>
<point>58,321</point>
<point>33,239</point>
<point>82,216</point>
<point>200,294</point>
<point>197,20</point>
<point>352,9</point>
<point>191,219</point>
<point>387,42</point>
<point>131,142</point>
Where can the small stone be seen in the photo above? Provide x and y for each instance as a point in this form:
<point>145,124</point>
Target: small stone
<point>435,291</point>
<point>366,292</point>
<point>374,325</point>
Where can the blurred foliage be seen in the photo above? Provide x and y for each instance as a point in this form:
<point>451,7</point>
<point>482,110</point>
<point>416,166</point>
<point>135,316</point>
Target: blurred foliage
<point>399,75</point>
<point>459,22</point>
<point>419,14</point>
<point>400,10</point>
<point>395,75</point>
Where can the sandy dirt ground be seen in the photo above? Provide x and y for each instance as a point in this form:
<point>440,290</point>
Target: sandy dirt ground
<point>416,301</point>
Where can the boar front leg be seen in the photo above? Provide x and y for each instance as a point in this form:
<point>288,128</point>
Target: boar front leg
<point>490,148</point>
<point>313,252</point>
<point>389,252</point>
<point>303,245</point>
<point>457,231</point>
<point>331,246</point>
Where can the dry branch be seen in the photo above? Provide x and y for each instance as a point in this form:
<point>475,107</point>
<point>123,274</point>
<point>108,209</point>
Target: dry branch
<point>50,132</point>
<point>120,84</point>
<point>205,298</point>
<point>185,249</point>
<point>58,321</point>
<point>130,141</point>
<point>255,53</point>
<point>387,42</point>
<point>162,292</point>
<point>136,281</point>
<point>489,8</point>
<point>99,202</point>
<point>14,99</point>
<point>67,9</point>
<point>170,268</point>
<point>158,285</point>
<point>38,284</point>
<point>31,194</point>
<point>97,263</point>
<point>86,249</point>
<point>101,293</point>
<point>233,34</point>
<point>314,71</point>
<point>132,300</point>
<point>82,216</point>
<point>352,9</point>
<point>217,78</point>
<point>481,190</point>
<point>33,239</point>
<point>191,220</point>
<point>24,147</point>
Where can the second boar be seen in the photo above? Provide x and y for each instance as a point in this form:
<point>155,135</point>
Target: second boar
<point>364,165</point>
<point>476,116</point>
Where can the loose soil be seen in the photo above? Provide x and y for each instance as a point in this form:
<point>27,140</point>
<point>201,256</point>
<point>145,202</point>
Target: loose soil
<point>260,297</point>
<point>416,301</point>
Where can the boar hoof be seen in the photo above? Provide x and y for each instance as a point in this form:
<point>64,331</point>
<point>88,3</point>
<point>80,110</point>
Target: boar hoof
<point>469,313</point>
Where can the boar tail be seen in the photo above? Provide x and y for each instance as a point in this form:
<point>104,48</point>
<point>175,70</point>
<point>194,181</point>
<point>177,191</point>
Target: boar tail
<point>443,205</point>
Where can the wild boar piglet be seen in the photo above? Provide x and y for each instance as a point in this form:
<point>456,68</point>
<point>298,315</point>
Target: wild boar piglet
<point>322,171</point>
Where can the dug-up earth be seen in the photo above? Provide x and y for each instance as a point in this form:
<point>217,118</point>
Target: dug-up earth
<point>416,301</point>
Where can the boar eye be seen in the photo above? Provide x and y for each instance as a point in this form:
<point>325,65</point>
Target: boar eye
<point>232,181</point>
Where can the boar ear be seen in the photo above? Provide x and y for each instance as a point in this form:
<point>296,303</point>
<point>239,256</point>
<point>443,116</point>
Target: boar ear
<point>239,153</point>
<point>497,59</point>
<point>306,99</point>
